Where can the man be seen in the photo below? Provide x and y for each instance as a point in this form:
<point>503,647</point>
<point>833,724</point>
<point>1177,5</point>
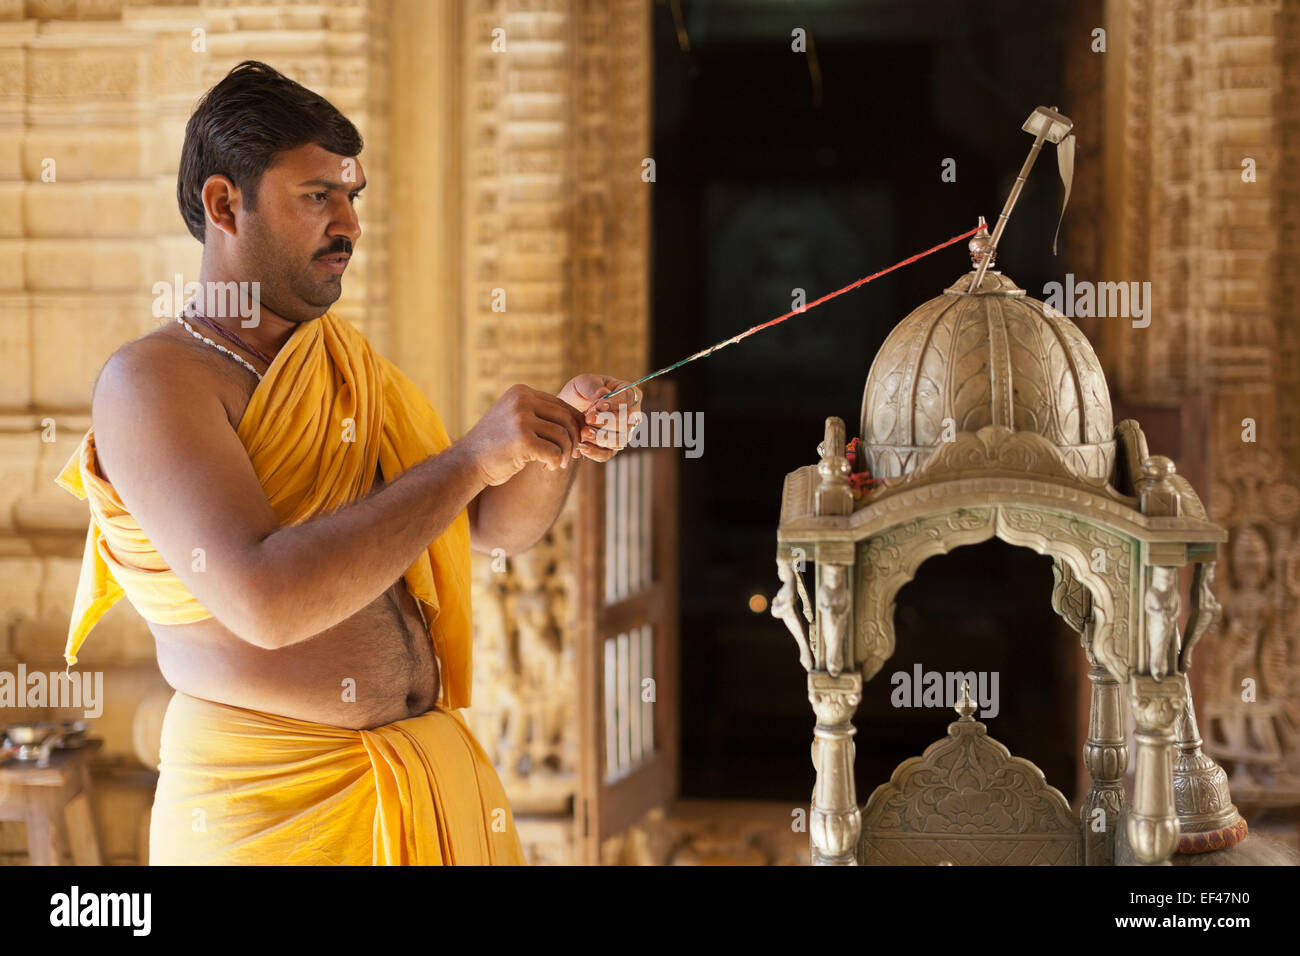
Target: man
<point>287,512</point>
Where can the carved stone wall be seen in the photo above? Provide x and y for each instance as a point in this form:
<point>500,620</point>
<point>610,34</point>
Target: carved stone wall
<point>94,98</point>
<point>558,215</point>
<point>556,227</point>
<point>1201,122</point>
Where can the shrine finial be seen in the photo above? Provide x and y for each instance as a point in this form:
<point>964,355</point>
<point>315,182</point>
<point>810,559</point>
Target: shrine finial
<point>981,246</point>
<point>966,706</point>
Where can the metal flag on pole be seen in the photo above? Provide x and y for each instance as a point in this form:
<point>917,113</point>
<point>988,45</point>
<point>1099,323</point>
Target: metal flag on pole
<point>1065,161</point>
<point>1047,125</point>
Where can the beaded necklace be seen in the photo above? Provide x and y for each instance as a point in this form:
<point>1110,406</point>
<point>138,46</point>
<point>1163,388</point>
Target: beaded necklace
<point>230,336</point>
<point>219,347</point>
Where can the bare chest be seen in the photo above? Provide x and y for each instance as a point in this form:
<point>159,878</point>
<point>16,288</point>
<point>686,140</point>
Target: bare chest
<point>375,667</point>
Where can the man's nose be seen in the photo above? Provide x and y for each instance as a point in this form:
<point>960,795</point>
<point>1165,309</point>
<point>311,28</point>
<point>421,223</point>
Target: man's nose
<point>346,223</point>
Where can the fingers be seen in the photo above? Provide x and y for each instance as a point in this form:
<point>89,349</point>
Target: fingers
<point>612,429</point>
<point>554,410</point>
<point>603,385</point>
<point>547,452</point>
<point>598,402</point>
<point>628,396</point>
<point>614,438</point>
<point>610,422</point>
<point>556,445</point>
<point>596,453</point>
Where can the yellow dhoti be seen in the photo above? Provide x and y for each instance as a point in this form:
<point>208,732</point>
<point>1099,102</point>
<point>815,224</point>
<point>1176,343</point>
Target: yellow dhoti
<point>239,786</point>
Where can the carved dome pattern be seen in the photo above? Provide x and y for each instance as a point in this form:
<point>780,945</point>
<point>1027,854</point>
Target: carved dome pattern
<point>992,357</point>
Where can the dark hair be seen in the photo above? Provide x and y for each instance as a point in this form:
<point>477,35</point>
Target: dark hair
<point>239,126</point>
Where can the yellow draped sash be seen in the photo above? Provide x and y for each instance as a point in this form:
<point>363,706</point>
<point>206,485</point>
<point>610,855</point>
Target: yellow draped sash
<point>326,383</point>
<point>238,787</point>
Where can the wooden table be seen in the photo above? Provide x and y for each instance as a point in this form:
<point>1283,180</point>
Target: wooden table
<point>54,802</point>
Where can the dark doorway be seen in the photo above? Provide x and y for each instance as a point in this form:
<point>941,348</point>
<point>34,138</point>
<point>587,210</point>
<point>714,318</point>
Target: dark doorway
<point>984,608</point>
<point>777,171</point>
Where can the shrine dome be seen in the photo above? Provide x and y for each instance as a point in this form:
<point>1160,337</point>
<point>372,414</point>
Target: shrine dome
<point>990,357</point>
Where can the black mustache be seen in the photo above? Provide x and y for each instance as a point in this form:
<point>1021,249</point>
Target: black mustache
<point>343,247</point>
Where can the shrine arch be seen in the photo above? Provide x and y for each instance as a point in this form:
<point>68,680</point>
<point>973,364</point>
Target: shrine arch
<point>1098,559</point>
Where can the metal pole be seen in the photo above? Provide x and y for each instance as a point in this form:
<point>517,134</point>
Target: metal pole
<point>1006,210</point>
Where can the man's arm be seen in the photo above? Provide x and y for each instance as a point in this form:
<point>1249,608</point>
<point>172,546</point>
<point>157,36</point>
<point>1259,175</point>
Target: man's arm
<point>183,473</point>
<point>514,516</point>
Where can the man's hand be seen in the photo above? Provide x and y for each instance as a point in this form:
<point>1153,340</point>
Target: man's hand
<point>608,423</point>
<point>524,425</point>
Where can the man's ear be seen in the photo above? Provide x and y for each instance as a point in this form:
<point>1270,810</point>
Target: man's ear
<point>221,202</point>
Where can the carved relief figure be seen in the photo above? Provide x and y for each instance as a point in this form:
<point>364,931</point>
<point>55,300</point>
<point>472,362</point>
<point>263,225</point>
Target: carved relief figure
<point>833,604</point>
<point>783,607</point>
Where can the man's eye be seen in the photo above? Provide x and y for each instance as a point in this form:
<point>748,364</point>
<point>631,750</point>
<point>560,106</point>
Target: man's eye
<point>354,197</point>
<point>319,197</point>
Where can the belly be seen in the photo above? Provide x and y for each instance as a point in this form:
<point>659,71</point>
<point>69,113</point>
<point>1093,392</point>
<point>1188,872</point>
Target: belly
<point>374,668</point>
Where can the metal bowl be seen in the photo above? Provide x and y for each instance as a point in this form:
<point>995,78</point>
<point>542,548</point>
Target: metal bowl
<point>30,735</point>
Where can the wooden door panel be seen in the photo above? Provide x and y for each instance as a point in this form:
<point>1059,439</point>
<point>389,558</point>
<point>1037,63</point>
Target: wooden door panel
<point>627,636</point>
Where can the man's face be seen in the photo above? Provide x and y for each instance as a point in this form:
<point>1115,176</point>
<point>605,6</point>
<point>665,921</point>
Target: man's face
<point>298,240</point>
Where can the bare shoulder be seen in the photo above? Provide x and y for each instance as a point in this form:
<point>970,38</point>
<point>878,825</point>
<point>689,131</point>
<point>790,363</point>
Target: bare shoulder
<point>156,378</point>
<point>156,365</point>
<point>150,354</point>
